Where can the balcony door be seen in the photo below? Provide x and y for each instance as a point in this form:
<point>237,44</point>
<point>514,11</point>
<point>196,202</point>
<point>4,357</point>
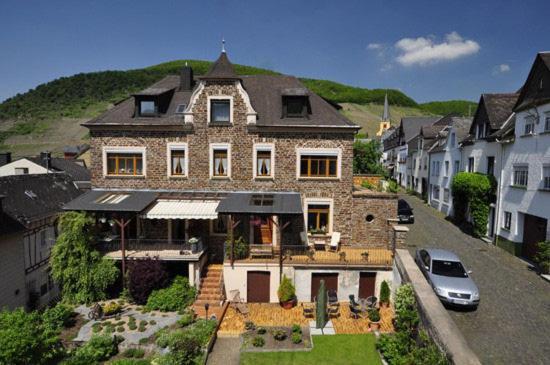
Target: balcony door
<point>262,229</point>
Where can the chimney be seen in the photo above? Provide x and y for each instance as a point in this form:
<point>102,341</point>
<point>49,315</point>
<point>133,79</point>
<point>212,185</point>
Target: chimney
<point>186,78</point>
<point>5,158</point>
<point>46,159</point>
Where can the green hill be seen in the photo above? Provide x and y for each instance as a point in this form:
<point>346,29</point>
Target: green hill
<point>461,107</point>
<point>41,117</point>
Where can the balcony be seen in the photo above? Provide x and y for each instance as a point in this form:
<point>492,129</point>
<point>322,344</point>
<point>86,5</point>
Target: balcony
<point>171,250</point>
<point>302,255</point>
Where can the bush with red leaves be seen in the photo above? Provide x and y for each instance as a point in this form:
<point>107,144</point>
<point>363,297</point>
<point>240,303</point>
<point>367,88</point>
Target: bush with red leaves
<point>144,276</point>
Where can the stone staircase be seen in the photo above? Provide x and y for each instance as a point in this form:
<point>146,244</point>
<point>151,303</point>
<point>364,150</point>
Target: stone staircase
<point>210,291</point>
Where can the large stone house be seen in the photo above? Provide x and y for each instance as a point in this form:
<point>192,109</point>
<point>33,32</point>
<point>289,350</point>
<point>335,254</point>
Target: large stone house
<point>29,208</point>
<point>524,198</point>
<point>252,172</point>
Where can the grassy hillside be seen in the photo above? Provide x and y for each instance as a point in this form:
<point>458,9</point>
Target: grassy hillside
<point>49,116</point>
<point>461,107</point>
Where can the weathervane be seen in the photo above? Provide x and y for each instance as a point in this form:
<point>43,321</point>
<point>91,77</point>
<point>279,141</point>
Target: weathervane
<point>223,44</point>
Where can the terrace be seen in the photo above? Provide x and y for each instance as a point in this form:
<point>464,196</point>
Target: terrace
<point>176,250</point>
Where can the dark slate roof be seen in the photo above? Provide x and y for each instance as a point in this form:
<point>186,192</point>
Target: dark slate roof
<point>499,107</point>
<point>136,201</point>
<point>411,125</point>
<point>507,131</point>
<point>530,93</point>
<point>32,197</point>
<point>222,69</point>
<point>265,92</point>
<point>74,168</point>
<point>242,202</point>
<point>461,127</point>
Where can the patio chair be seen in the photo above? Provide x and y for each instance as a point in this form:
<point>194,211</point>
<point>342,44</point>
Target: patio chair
<point>333,311</point>
<point>352,301</point>
<point>334,241</point>
<point>355,312</point>
<point>332,297</point>
<point>308,310</point>
<point>371,302</point>
<point>237,302</point>
<point>305,239</point>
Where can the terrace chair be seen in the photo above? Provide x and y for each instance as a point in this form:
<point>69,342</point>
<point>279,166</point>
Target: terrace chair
<point>371,302</point>
<point>308,310</point>
<point>355,312</point>
<point>352,301</point>
<point>237,302</point>
<point>333,311</point>
<point>305,239</point>
<point>332,297</point>
<point>334,241</point>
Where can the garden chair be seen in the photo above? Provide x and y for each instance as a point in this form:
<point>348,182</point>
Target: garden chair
<point>355,312</point>
<point>308,310</point>
<point>371,302</point>
<point>352,301</point>
<point>305,239</point>
<point>332,297</point>
<point>333,311</point>
<point>334,241</point>
<point>237,303</point>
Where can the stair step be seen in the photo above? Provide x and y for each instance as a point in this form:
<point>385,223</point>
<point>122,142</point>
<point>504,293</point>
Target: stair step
<point>212,303</point>
<point>206,290</point>
<point>215,297</point>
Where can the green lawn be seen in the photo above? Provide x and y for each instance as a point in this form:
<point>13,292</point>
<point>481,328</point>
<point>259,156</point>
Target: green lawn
<point>332,350</point>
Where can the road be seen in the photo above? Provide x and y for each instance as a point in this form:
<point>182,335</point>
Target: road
<point>512,322</point>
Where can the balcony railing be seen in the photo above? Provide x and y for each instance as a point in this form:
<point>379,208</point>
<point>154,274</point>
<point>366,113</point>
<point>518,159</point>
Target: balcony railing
<point>152,245</point>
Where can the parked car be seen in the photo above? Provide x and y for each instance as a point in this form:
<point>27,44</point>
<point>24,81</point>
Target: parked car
<point>448,277</point>
<point>404,212</point>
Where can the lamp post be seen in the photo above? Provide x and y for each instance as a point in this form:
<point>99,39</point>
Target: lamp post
<point>206,306</point>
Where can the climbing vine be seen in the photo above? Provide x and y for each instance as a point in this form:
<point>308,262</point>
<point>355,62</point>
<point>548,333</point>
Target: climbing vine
<point>474,191</point>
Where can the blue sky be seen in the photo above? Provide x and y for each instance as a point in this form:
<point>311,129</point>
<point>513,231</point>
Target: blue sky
<point>452,50</point>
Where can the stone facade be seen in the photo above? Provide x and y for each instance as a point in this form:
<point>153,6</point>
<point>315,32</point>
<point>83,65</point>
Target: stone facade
<point>371,218</point>
<point>242,140</point>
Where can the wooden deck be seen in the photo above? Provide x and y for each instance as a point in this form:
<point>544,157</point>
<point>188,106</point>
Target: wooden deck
<point>272,314</point>
<point>345,256</point>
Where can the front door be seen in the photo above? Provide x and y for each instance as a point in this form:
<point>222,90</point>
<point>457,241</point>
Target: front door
<point>263,230</point>
<point>534,231</point>
<point>491,228</point>
<point>367,281</point>
<point>331,283</point>
<point>257,286</point>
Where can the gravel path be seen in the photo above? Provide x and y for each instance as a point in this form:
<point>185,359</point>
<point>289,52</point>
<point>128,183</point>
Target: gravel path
<point>226,351</point>
<point>512,322</point>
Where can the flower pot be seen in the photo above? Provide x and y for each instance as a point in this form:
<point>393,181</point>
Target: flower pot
<point>384,304</point>
<point>375,326</point>
<point>289,304</point>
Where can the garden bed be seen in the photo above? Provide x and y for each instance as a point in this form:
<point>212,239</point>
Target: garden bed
<point>268,339</point>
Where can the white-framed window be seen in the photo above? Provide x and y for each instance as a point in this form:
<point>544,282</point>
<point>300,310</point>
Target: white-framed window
<point>435,192</point>
<point>547,122</point>
<point>263,160</point>
<point>220,161</point>
<point>520,175</point>
<point>220,109</point>
<point>147,108</point>
<point>453,139</point>
<point>446,168</point>
<point>124,161</point>
<point>546,177</point>
<point>219,226</point>
<point>471,164</point>
<point>21,170</point>
<point>318,215</point>
<point>457,166</point>
<point>529,127</point>
<point>446,195</point>
<point>507,222</point>
<point>177,159</point>
<point>318,163</point>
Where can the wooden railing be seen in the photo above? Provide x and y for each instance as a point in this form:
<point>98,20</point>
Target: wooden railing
<point>141,244</point>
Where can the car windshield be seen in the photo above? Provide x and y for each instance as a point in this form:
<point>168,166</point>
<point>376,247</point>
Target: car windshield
<point>448,268</point>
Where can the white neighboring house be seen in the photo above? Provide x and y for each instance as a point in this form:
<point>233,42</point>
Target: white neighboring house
<point>525,177</point>
<point>481,150</point>
<point>444,159</point>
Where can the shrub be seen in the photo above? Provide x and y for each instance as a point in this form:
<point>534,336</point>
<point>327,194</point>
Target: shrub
<point>203,330</point>
<point>286,291</point>
<point>111,308</point>
<point>134,353</point>
<point>240,248</point>
<point>406,314</point>
<point>24,339</point>
<point>120,329</point>
<point>186,319</point>
<point>542,257</point>
<point>249,326</point>
<point>152,322</point>
<point>177,296</point>
<point>366,158</point>
<point>261,330</point>
<point>296,337</point>
<point>368,185</point>
<point>374,315</point>
<point>58,316</point>
<point>99,348</point>
<point>393,187</point>
<point>120,323</point>
<point>296,328</point>
<point>258,341</point>
<point>144,276</point>
<point>142,326</point>
<point>130,362</point>
<point>279,335</point>
<point>384,292</point>
<point>97,327</point>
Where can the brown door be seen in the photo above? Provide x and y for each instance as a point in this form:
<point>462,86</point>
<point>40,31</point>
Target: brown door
<point>367,281</point>
<point>534,231</point>
<point>263,231</point>
<point>331,283</point>
<point>257,286</point>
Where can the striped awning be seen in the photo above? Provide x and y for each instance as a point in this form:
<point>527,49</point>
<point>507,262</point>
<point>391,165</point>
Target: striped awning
<point>182,209</point>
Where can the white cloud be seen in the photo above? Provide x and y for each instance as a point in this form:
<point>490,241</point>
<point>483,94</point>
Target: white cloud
<point>423,51</point>
<point>504,68</point>
<point>374,46</point>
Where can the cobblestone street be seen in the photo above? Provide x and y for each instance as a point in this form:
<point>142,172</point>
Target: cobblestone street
<point>512,322</point>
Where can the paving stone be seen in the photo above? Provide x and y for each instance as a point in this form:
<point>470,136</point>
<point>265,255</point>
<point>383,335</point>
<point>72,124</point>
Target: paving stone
<point>512,322</point>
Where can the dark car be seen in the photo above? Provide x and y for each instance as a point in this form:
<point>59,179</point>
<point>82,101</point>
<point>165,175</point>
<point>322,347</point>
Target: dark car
<point>404,212</point>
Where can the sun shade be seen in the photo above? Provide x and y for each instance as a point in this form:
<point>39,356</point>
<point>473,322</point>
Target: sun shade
<point>182,209</point>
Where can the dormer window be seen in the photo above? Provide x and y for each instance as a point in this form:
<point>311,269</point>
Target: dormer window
<point>147,108</point>
<point>295,106</point>
<point>220,110</point>
<point>181,108</point>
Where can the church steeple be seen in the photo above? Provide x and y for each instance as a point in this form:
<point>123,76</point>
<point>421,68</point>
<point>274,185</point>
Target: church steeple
<point>385,122</point>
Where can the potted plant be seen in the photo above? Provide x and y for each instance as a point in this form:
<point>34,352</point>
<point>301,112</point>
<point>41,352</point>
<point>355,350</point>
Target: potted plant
<point>542,257</point>
<point>193,241</point>
<point>286,293</point>
<point>374,319</point>
<point>384,294</point>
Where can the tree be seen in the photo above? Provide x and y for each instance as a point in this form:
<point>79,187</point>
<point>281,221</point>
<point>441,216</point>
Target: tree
<point>366,158</point>
<point>24,339</point>
<point>144,276</point>
<point>84,275</point>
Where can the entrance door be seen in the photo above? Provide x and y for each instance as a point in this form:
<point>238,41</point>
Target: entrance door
<point>534,231</point>
<point>331,283</point>
<point>491,228</point>
<point>263,231</point>
<point>367,281</point>
<point>257,286</point>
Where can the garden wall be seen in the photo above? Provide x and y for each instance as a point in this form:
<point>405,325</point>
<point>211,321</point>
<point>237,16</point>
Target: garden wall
<point>434,316</point>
